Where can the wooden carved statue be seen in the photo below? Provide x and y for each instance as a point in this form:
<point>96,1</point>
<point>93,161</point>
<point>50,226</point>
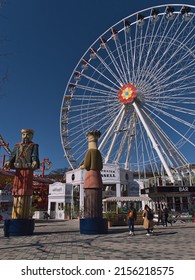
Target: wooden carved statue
<point>93,180</point>
<point>24,159</point>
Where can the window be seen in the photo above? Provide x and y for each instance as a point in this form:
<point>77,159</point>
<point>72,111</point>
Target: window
<point>61,206</point>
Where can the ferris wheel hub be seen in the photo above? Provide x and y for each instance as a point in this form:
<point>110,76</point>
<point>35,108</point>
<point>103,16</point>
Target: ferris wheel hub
<point>127,93</point>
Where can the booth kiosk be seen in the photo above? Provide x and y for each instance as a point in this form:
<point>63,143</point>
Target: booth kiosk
<point>60,200</point>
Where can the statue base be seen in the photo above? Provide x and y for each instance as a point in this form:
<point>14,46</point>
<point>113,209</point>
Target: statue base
<point>93,226</point>
<point>18,227</point>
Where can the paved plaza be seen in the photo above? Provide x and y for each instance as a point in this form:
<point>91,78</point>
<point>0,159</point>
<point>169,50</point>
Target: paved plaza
<point>61,240</point>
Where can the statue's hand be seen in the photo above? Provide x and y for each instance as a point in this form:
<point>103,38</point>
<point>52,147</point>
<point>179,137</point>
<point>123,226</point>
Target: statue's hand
<point>34,165</point>
<point>7,165</point>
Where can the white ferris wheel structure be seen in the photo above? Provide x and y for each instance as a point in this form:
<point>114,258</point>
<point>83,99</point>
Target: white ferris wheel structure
<point>136,85</point>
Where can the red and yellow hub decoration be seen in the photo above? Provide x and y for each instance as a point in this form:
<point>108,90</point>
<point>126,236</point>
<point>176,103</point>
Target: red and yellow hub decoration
<point>127,93</point>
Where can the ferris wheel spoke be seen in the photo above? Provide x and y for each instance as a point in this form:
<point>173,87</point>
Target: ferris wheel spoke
<point>176,65</point>
<point>176,104</point>
<point>107,67</point>
<point>147,150</point>
<point>143,45</point>
<point>131,131</point>
<point>115,136</point>
<point>121,147</point>
<point>154,58</point>
<point>102,93</point>
<point>172,42</point>
<point>167,146</point>
<point>140,146</point>
<point>155,146</point>
<point>127,49</point>
<point>74,131</point>
<point>102,120</point>
<point>126,140</point>
<point>83,107</point>
<point>152,157</point>
<point>115,64</point>
<point>122,59</point>
<point>181,121</point>
<point>149,55</point>
<point>93,116</point>
<point>177,108</point>
<point>130,55</point>
<point>175,130</point>
<point>97,82</point>
<point>110,128</point>
<point>76,122</point>
<point>173,82</point>
<point>171,96</point>
<point>178,92</point>
<point>138,52</point>
<point>136,151</point>
<point>182,79</point>
<point>179,70</point>
<point>92,112</point>
<point>179,62</point>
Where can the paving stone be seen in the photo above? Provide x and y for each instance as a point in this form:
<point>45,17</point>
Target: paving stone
<point>61,240</point>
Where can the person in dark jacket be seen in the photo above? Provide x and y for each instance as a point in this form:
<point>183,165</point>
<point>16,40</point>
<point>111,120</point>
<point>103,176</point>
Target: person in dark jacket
<point>132,216</point>
<point>148,220</point>
<point>165,215</point>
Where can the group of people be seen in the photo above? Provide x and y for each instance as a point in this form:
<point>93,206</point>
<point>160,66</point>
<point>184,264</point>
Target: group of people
<point>148,222</point>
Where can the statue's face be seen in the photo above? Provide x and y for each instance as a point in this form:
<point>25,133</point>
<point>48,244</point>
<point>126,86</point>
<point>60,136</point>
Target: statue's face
<point>26,137</point>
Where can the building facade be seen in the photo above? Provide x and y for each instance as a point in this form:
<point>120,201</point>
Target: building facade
<point>117,182</point>
<point>60,200</point>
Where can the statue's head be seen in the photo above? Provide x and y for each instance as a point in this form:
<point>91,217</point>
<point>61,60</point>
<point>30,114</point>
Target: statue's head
<point>27,135</point>
<point>93,135</point>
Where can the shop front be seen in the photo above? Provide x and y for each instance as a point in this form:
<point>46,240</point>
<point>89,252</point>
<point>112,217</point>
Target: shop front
<point>176,198</point>
<point>60,201</point>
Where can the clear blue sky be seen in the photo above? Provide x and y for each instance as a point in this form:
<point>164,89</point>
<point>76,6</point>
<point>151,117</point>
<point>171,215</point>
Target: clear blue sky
<point>43,41</point>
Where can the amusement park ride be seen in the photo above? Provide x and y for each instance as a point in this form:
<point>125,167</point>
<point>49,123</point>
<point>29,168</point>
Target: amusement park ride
<point>135,84</point>
<point>6,147</point>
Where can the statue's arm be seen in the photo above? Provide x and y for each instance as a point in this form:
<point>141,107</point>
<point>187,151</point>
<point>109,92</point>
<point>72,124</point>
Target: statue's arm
<point>9,163</point>
<point>35,157</point>
<point>87,160</point>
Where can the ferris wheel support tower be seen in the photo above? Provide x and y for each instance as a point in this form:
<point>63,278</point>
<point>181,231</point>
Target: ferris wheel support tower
<point>155,145</point>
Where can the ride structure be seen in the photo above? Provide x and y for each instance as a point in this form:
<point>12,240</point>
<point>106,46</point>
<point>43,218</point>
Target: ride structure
<point>5,145</point>
<point>135,84</point>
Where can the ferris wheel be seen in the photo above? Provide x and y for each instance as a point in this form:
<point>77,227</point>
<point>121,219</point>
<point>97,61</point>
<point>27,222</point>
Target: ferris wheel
<point>136,85</point>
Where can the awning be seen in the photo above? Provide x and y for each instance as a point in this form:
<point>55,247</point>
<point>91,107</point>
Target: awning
<point>127,198</point>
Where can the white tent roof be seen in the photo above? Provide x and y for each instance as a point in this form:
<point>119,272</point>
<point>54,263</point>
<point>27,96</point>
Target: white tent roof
<point>127,198</point>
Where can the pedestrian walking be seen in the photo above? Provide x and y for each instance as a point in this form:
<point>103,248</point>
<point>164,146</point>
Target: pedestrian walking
<point>148,222</point>
<point>132,216</point>
<point>165,215</point>
<point>160,218</point>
